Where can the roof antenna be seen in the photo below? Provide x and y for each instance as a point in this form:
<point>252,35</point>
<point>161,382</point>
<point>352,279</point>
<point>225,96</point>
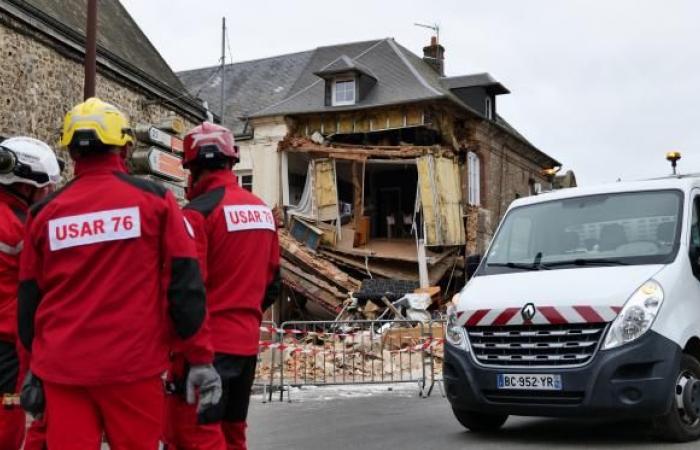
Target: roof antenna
<point>673,158</point>
<point>435,27</point>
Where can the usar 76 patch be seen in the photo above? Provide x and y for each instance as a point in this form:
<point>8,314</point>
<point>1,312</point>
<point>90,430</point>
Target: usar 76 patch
<point>91,228</point>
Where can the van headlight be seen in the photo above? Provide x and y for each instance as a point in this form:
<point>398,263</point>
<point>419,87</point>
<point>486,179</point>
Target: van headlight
<point>455,334</point>
<point>636,316</point>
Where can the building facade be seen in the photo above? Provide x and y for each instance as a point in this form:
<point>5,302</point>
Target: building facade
<point>372,152</point>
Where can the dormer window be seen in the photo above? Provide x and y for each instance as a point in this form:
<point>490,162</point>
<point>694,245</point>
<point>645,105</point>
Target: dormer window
<point>489,108</point>
<point>347,82</point>
<point>343,91</point>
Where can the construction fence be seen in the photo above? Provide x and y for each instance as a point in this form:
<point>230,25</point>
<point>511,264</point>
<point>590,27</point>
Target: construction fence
<point>357,352</point>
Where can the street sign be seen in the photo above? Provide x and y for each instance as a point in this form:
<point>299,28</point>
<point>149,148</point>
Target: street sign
<point>156,161</point>
<point>153,135</point>
<point>166,164</point>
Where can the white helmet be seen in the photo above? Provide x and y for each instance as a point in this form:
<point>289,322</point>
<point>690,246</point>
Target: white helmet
<point>28,160</point>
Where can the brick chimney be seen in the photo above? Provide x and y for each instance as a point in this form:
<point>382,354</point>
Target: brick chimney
<point>434,55</point>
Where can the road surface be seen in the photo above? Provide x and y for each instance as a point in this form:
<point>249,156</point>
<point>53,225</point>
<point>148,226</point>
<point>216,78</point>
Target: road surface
<point>375,418</point>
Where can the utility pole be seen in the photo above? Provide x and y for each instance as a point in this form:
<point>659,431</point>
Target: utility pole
<point>90,50</point>
<point>223,66</point>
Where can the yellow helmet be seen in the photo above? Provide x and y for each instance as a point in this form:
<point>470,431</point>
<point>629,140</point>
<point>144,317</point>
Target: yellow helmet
<point>94,124</point>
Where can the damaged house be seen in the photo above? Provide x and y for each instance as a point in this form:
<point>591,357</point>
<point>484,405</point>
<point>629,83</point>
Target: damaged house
<point>382,166</point>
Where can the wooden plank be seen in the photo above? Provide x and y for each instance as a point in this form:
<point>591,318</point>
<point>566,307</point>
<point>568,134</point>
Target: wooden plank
<point>358,193</point>
<point>330,125</point>
<point>381,122</point>
<point>362,124</point>
<point>396,119</point>
<point>345,124</point>
<point>414,116</point>
<point>313,124</point>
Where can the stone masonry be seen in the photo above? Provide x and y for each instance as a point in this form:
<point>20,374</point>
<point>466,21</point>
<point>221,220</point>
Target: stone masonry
<point>39,84</point>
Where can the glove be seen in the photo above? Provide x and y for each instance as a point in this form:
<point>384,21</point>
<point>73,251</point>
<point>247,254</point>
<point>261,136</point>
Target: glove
<point>208,381</point>
<point>32,396</point>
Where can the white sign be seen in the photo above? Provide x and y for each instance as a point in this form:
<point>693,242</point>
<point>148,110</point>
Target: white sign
<point>101,226</point>
<point>249,217</point>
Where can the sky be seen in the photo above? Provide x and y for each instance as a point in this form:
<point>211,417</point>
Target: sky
<point>607,87</point>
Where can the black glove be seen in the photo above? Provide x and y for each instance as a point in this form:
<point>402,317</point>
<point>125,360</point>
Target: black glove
<point>32,396</point>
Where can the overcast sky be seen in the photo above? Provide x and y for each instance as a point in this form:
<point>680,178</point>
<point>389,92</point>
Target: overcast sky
<point>606,87</point>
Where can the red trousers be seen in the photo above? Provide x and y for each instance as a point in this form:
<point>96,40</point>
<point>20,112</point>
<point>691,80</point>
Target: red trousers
<point>36,436</point>
<point>130,414</point>
<point>183,432</point>
<point>12,424</point>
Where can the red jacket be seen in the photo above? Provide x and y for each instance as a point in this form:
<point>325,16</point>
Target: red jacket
<point>108,272</point>
<point>239,255</point>
<point>13,212</point>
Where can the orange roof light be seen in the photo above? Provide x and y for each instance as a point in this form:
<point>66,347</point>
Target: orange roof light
<point>673,156</point>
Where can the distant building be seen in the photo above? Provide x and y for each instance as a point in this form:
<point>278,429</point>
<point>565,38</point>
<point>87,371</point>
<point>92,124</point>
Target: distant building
<point>42,43</point>
<point>372,144</point>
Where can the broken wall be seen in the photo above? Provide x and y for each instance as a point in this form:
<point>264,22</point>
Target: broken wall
<point>259,157</point>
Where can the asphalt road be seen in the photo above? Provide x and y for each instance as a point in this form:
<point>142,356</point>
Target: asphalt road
<point>374,418</point>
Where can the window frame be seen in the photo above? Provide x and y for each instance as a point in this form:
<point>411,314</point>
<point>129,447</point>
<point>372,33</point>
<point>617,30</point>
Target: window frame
<point>245,173</point>
<point>474,179</point>
<point>336,81</point>
<point>488,107</point>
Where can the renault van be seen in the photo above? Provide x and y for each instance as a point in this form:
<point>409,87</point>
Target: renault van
<point>586,304</point>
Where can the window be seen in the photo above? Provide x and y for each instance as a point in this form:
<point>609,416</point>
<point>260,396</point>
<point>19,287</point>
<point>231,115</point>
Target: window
<point>245,180</point>
<point>344,92</point>
<point>613,229</point>
<point>474,172</point>
<point>489,108</point>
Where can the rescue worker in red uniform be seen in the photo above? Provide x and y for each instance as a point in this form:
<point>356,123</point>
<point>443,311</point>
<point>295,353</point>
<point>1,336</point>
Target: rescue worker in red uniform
<point>28,168</point>
<point>108,278</point>
<point>239,254</point>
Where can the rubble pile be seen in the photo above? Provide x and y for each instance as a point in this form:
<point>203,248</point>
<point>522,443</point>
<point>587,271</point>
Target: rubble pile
<point>365,356</point>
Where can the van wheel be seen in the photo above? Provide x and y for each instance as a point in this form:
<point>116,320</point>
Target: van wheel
<point>480,422</point>
<point>682,423</point>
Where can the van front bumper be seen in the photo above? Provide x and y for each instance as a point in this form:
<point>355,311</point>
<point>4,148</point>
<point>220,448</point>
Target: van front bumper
<point>634,380</point>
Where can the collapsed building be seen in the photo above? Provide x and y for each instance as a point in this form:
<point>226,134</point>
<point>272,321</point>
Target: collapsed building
<point>381,166</point>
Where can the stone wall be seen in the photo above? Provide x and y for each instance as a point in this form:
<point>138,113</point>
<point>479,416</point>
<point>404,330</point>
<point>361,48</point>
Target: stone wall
<point>505,176</point>
<point>39,84</point>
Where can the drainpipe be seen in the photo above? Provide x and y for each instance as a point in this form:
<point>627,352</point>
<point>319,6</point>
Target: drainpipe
<point>90,50</point>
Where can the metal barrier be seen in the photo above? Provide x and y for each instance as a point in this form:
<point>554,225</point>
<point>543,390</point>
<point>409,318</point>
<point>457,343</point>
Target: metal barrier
<point>435,354</point>
<point>323,353</point>
<point>265,369</point>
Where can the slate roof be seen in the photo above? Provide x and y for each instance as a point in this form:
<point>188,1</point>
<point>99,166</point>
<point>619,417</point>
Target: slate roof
<point>399,81</point>
<point>120,41</point>
<point>250,85</point>
<point>477,79</point>
<point>292,84</point>
<point>344,64</point>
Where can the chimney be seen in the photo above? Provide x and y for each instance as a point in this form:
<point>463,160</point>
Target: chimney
<point>434,55</point>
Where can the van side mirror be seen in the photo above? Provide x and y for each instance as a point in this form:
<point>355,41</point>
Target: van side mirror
<point>473,262</point>
<point>695,260</point>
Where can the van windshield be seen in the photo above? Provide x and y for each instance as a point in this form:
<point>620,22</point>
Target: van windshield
<point>609,229</point>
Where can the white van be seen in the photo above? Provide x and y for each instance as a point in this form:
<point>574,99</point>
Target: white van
<point>586,304</point>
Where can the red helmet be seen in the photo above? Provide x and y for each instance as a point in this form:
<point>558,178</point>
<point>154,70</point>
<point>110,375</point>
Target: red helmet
<point>209,143</point>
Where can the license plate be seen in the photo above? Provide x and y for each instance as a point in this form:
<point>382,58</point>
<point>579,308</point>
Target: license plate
<point>534,382</point>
